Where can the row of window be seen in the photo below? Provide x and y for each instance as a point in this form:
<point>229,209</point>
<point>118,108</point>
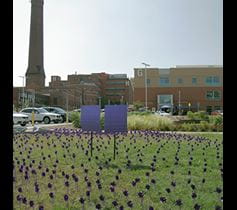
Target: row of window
<point>117,82</point>
<point>115,89</point>
<point>164,81</point>
<point>213,95</point>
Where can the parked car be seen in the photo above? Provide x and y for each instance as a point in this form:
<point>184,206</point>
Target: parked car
<point>57,110</point>
<point>19,118</point>
<point>217,112</point>
<point>162,113</point>
<point>41,115</point>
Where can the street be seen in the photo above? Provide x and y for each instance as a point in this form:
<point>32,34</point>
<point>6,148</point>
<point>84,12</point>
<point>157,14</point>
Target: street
<point>30,128</point>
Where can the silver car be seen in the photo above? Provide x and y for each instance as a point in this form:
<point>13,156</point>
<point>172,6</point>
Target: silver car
<point>20,118</point>
<point>41,115</point>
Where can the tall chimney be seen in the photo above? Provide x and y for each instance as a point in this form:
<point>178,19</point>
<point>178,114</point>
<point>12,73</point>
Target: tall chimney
<point>35,75</point>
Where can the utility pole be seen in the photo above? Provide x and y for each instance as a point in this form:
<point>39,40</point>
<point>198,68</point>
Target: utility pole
<point>121,100</point>
<point>23,92</point>
<point>146,83</point>
<point>34,99</point>
<point>198,106</point>
<point>67,107</point>
<point>100,102</point>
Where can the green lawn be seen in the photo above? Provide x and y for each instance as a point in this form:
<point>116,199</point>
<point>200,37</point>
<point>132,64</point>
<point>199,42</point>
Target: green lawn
<point>42,153</point>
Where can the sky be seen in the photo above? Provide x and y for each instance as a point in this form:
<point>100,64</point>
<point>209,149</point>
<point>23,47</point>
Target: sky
<point>116,36</point>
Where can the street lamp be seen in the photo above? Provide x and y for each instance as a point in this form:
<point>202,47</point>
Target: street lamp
<point>23,91</point>
<point>99,101</point>
<point>145,64</point>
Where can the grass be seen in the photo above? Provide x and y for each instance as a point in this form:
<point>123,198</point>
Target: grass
<point>151,148</point>
<point>149,122</point>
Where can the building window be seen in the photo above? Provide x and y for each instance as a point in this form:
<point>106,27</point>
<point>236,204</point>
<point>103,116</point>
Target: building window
<point>140,73</point>
<point>216,80</point>
<point>194,80</point>
<point>179,80</point>
<point>209,95</point>
<point>148,81</point>
<point>217,108</point>
<point>164,81</point>
<point>213,95</point>
<point>212,80</point>
<point>217,95</point>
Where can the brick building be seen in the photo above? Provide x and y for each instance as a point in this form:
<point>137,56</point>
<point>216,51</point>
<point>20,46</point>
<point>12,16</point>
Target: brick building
<point>118,89</point>
<point>83,89</point>
<point>187,87</point>
<point>72,93</point>
<point>31,98</point>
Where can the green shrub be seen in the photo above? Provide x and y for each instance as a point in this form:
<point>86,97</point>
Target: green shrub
<point>201,115</point>
<point>216,120</point>
<point>205,126</point>
<point>149,122</point>
<point>190,115</point>
<point>188,127</point>
<point>75,118</point>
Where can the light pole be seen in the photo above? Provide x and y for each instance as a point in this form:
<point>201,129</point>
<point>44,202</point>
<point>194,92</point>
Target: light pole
<point>121,100</point>
<point>145,64</point>
<point>67,108</point>
<point>23,91</point>
<point>34,98</point>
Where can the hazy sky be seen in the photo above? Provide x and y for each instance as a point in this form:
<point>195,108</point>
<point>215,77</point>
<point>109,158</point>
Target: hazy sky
<point>115,36</point>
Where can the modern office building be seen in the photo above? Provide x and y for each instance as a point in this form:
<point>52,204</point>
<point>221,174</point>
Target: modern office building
<point>182,87</point>
<point>118,89</point>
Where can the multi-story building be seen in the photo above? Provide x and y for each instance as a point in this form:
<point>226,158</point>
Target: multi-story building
<point>182,87</point>
<point>86,89</point>
<point>72,93</point>
<point>117,89</point>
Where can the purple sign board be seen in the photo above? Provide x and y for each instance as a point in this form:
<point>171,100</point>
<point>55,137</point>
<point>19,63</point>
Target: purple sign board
<point>90,118</point>
<point>116,118</point>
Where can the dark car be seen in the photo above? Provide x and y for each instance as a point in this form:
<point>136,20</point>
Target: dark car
<point>57,110</point>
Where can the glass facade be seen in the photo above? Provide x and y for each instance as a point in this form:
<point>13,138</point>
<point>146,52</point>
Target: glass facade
<point>179,80</point>
<point>164,81</point>
<point>194,80</point>
<point>148,81</point>
<point>213,80</point>
<point>213,95</point>
<point>165,99</point>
